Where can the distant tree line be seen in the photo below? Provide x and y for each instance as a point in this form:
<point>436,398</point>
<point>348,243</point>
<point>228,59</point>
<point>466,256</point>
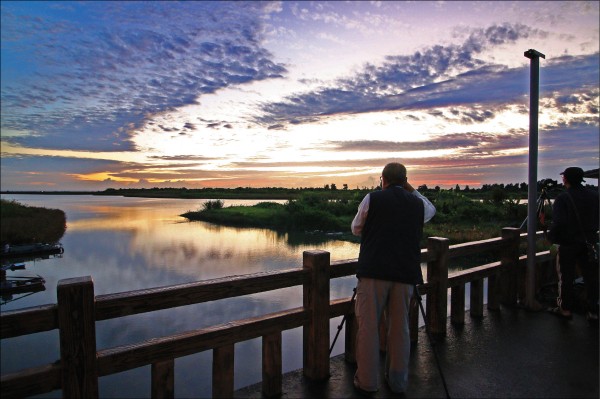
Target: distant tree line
<point>497,191</point>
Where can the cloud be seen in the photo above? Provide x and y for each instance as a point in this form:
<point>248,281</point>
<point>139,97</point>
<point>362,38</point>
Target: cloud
<point>37,172</point>
<point>121,63</point>
<point>435,77</point>
<point>182,158</point>
<point>98,75</point>
<point>474,141</point>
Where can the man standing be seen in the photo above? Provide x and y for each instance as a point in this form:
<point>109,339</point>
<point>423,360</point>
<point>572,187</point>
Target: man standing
<point>390,223</point>
<point>575,222</point>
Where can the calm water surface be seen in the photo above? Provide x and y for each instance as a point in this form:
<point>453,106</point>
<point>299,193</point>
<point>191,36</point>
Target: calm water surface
<point>128,244</point>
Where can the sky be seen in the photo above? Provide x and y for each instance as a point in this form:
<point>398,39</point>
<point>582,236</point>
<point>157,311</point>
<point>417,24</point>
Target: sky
<point>99,94</point>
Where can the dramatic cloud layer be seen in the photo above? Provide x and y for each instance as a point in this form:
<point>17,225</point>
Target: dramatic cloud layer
<point>111,94</point>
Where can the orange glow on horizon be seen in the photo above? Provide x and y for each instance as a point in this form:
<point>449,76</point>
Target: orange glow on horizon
<point>102,176</point>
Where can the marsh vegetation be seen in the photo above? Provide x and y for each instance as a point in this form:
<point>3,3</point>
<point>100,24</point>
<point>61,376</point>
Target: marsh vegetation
<point>459,217</point>
<point>22,224</point>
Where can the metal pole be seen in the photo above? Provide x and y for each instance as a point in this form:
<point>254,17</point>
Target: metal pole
<point>534,88</point>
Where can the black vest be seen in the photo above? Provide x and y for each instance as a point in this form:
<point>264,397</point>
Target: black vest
<point>390,239</point>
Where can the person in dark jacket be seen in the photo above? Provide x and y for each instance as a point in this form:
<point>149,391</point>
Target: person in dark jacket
<point>390,223</point>
<point>575,222</point>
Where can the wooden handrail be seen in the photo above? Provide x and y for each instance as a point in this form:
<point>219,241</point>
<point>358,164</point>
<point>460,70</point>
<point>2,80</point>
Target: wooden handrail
<point>473,273</point>
<point>126,357</point>
<point>110,306</point>
<point>14,323</point>
<point>31,381</point>
<point>476,247</point>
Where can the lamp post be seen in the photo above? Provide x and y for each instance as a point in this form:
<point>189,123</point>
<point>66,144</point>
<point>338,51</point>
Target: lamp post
<point>534,89</point>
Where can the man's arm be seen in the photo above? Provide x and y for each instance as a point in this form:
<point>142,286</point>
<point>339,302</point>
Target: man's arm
<point>428,208</point>
<point>361,216</point>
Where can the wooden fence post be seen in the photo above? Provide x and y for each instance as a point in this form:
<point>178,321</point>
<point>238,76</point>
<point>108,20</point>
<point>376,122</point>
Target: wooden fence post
<point>272,367</point>
<point>222,371</point>
<point>457,304</point>
<point>493,292</point>
<point>163,379</point>
<point>510,266</point>
<point>316,302</point>
<point>77,331</point>
<point>437,277</point>
<point>476,306</point>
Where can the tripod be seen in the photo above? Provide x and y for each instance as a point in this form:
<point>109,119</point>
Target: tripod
<point>542,201</point>
<point>431,341</point>
<point>342,323</point>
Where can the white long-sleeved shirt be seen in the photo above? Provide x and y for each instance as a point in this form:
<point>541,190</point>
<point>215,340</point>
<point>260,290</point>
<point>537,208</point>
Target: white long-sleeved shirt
<point>363,209</point>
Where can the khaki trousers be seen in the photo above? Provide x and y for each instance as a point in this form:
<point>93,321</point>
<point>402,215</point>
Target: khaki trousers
<point>372,297</point>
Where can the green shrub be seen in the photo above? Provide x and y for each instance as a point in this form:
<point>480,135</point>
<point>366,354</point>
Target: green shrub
<point>213,204</point>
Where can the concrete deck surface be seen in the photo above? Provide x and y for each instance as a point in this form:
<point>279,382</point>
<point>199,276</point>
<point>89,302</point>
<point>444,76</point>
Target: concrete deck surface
<point>511,353</point>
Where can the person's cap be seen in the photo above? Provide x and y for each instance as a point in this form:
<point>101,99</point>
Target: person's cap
<point>573,174</point>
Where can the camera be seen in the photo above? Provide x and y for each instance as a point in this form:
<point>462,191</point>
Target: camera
<point>547,184</point>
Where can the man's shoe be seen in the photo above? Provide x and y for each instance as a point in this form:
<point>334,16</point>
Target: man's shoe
<point>363,391</point>
<point>387,380</point>
<point>557,311</point>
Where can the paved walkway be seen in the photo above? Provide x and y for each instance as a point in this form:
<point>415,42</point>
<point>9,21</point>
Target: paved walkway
<point>512,353</point>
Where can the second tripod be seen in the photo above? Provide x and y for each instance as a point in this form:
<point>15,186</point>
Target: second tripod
<point>543,201</point>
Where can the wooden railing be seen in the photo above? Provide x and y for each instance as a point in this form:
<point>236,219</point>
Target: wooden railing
<point>78,309</point>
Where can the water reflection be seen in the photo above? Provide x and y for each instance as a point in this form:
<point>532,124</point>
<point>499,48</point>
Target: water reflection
<point>137,243</point>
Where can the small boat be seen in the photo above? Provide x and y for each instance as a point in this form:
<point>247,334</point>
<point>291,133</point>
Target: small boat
<point>13,266</point>
<point>14,251</point>
<point>21,284</point>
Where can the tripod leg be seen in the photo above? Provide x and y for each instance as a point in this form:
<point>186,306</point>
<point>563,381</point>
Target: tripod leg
<point>339,329</point>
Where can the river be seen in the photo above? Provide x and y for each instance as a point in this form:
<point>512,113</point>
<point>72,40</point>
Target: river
<point>136,243</point>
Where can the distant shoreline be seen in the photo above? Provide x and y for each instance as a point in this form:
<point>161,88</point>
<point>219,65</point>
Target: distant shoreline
<point>50,192</point>
<point>207,193</point>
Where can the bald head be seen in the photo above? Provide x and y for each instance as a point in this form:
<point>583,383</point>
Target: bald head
<point>394,173</point>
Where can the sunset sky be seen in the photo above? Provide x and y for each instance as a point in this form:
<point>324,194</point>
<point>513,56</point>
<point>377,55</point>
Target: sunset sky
<point>292,94</point>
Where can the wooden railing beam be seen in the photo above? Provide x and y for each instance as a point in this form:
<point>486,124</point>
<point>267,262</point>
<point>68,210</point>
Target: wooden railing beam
<point>14,323</point>
<point>31,381</point>
<point>147,300</point>
<point>130,356</point>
